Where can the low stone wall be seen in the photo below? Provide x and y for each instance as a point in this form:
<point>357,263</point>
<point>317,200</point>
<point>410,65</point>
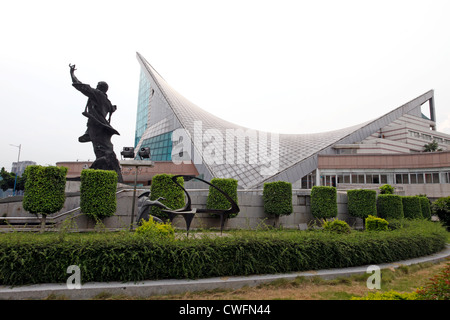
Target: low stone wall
<point>251,215</point>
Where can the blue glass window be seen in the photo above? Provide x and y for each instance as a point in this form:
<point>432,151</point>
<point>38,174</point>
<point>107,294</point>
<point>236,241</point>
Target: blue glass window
<point>160,147</point>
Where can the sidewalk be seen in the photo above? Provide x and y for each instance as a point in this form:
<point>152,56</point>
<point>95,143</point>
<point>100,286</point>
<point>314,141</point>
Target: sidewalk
<point>161,287</point>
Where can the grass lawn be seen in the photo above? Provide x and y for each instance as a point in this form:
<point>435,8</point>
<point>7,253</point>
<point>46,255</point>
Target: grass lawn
<point>402,279</point>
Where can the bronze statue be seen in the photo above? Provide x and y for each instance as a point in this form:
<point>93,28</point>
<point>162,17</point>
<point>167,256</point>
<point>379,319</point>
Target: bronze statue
<point>99,129</point>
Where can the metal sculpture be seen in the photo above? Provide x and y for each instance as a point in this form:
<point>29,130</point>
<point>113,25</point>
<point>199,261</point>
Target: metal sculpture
<point>144,204</point>
<point>188,212</point>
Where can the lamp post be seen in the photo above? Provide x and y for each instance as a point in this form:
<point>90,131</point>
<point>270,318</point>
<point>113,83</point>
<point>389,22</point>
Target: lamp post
<point>128,152</point>
<point>18,159</point>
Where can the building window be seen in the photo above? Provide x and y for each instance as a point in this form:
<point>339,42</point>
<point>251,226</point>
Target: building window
<point>420,178</point>
<point>160,147</point>
<point>435,176</point>
<point>446,177</point>
<point>401,178</point>
<point>308,181</point>
<point>414,134</point>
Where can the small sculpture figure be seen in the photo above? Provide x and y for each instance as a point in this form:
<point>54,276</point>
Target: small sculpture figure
<point>99,129</point>
<point>144,204</point>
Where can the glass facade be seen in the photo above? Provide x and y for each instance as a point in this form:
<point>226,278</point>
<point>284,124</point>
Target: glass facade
<point>160,147</point>
<point>145,93</point>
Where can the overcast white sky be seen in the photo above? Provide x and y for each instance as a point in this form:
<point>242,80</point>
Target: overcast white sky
<point>280,66</point>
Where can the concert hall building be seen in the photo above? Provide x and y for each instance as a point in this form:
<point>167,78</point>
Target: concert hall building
<point>185,139</point>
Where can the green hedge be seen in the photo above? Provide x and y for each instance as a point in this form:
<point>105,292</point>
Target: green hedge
<point>362,203</point>
<point>163,186</point>
<point>277,198</point>
<point>411,207</point>
<point>126,257</point>
<point>441,208</point>
<point>425,207</point>
<point>44,189</point>
<point>98,193</point>
<point>324,202</point>
<point>390,206</point>
<point>216,200</point>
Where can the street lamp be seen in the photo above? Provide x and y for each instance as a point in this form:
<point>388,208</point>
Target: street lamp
<point>17,173</point>
<point>128,152</point>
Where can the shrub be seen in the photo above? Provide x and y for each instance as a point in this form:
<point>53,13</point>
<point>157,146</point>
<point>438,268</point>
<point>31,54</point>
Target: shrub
<point>216,200</point>
<point>124,256</point>
<point>425,207</point>
<point>387,189</point>
<point>411,207</point>
<point>156,230</point>
<point>336,226</point>
<point>163,186</point>
<point>390,206</point>
<point>389,295</point>
<point>362,203</point>
<point>441,207</point>
<point>376,224</point>
<point>98,193</point>
<point>277,197</point>
<point>324,202</point>
<point>438,287</point>
<point>44,190</point>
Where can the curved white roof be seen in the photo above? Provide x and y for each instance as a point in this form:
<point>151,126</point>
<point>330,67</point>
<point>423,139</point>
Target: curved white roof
<point>294,156</point>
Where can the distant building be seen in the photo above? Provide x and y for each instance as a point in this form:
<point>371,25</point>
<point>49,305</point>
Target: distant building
<point>388,149</point>
<point>19,167</point>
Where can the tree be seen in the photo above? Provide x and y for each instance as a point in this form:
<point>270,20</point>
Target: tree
<point>8,179</point>
<point>44,190</point>
<point>431,147</point>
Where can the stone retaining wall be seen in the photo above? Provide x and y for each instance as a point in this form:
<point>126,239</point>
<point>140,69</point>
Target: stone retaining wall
<point>251,215</point>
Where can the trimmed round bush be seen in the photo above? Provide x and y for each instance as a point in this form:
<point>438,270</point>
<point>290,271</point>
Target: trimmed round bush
<point>411,207</point>
<point>336,226</point>
<point>376,224</point>
<point>277,197</point>
<point>324,202</point>
<point>156,230</point>
<point>217,200</point>
<point>362,203</point>
<point>387,189</point>
<point>163,186</point>
<point>98,193</point>
<point>44,190</point>
<point>390,206</point>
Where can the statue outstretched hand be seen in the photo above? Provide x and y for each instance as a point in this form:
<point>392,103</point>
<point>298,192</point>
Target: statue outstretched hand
<point>72,68</point>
